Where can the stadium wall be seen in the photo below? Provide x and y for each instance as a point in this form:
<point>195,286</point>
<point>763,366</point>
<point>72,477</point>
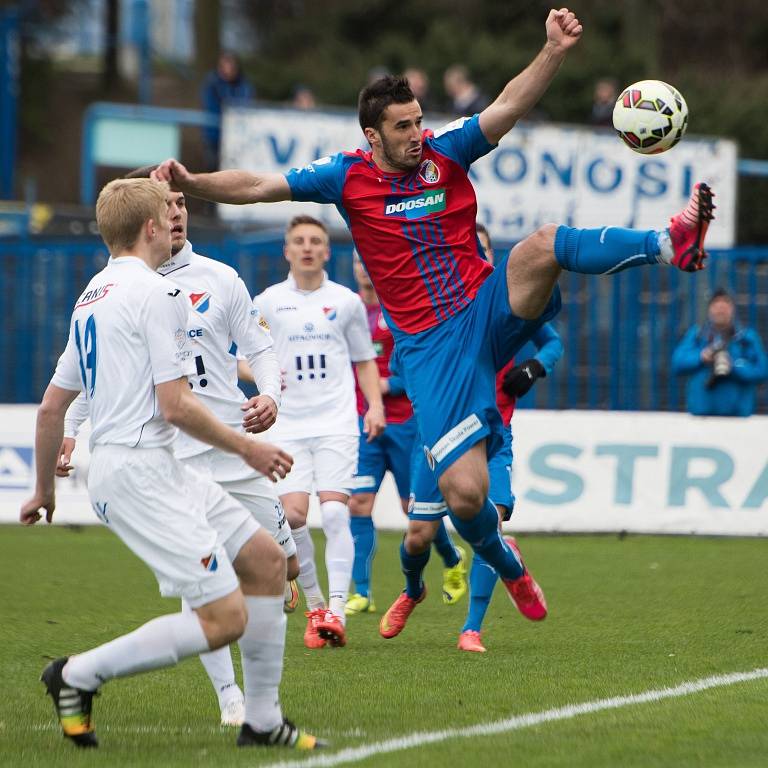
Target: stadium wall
<point>575,471</point>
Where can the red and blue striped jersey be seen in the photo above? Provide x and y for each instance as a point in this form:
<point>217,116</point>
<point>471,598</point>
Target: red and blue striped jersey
<point>415,232</point>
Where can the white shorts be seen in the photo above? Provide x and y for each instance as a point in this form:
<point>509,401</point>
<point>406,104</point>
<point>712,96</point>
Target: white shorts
<point>254,491</point>
<point>163,513</point>
<point>320,463</point>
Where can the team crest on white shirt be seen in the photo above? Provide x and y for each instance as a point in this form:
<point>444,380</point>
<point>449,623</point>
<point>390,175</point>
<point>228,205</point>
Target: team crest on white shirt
<point>330,312</point>
<point>201,302</point>
<point>180,337</point>
<point>429,172</point>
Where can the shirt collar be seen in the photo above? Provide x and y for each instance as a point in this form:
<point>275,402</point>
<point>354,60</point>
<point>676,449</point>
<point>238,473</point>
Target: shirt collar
<point>291,281</point>
<point>178,260</point>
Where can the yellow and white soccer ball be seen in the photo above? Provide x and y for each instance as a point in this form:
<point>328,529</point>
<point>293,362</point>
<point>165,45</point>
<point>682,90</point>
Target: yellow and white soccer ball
<point>650,116</point>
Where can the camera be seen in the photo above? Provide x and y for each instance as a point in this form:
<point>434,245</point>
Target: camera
<point>721,365</point>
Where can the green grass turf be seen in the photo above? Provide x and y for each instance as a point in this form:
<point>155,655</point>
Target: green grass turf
<point>626,616</point>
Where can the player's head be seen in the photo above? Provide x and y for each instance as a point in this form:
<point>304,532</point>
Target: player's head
<point>485,241</point>
<point>362,277</point>
<point>307,246</point>
<point>132,215</point>
<point>390,118</point>
<point>721,310</point>
<point>178,215</point>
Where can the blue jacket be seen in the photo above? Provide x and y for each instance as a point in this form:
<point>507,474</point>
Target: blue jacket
<point>731,395</point>
<point>216,93</point>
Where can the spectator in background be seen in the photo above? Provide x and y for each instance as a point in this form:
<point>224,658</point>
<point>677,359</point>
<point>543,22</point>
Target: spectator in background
<point>725,361</point>
<point>225,85</point>
<point>603,100</point>
<point>465,97</point>
<point>419,82</point>
<point>303,98</point>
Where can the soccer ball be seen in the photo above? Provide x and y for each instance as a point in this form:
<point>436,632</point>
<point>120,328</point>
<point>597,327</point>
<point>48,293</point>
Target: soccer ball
<point>650,116</point>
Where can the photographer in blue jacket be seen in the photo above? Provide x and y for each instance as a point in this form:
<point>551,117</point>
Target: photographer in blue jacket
<point>725,362</point>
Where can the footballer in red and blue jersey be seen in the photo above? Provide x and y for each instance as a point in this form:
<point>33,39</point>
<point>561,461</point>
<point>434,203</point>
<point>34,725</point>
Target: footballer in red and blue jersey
<point>446,306</point>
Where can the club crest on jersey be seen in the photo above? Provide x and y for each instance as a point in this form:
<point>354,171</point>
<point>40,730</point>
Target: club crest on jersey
<point>416,206</point>
<point>429,172</point>
<point>330,312</point>
<point>210,563</point>
<point>201,302</point>
<point>430,458</point>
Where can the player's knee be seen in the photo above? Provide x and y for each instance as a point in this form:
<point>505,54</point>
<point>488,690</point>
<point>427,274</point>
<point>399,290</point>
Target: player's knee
<point>335,519</point>
<point>226,624</point>
<point>418,539</point>
<point>543,240</point>
<point>465,499</point>
<point>261,566</point>
<point>361,504</point>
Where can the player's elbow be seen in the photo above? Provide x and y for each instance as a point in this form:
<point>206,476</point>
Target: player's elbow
<point>172,404</point>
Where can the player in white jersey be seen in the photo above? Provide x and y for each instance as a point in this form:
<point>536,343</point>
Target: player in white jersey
<point>222,316</point>
<point>128,351</point>
<point>320,329</point>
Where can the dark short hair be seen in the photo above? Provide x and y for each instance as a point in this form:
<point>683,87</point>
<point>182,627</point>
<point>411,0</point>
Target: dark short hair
<point>140,173</point>
<point>721,293</point>
<point>482,230</point>
<point>305,219</point>
<point>377,96</point>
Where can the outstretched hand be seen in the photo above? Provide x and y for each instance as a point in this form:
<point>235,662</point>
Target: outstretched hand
<point>563,28</point>
<point>173,173</point>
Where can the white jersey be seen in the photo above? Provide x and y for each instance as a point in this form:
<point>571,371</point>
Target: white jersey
<point>318,335</point>
<point>222,323</point>
<point>128,333</point>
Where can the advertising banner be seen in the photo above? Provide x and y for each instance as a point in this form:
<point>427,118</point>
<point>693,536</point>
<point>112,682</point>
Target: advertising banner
<point>574,471</point>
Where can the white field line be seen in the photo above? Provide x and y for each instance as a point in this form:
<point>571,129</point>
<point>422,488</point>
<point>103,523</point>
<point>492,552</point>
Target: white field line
<point>354,754</point>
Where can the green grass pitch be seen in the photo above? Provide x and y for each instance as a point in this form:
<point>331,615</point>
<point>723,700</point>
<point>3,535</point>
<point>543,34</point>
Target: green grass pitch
<point>626,616</point>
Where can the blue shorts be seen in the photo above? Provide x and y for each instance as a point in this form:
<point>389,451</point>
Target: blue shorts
<point>450,371</point>
<point>392,450</point>
<point>500,472</point>
<point>426,501</point>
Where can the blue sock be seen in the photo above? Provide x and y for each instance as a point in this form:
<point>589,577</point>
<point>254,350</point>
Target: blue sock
<point>413,567</point>
<point>364,536</point>
<point>482,580</point>
<point>605,251</point>
<point>444,546</point>
<point>482,533</point>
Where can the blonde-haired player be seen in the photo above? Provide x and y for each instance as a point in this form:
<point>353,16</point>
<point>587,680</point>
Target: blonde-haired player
<point>128,351</point>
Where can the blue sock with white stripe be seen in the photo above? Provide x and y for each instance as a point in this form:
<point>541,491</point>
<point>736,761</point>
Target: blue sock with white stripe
<point>605,251</point>
<point>482,580</point>
<point>482,534</point>
<point>364,536</point>
<point>413,567</point>
<point>445,548</point>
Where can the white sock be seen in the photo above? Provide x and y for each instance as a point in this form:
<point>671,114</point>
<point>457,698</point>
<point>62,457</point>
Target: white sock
<point>666,252</point>
<point>339,554</point>
<point>221,673</point>
<point>307,571</point>
<point>158,643</point>
<point>262,647</point>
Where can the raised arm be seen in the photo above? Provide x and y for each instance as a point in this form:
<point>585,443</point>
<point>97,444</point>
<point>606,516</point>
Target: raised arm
<point>230,186</point>
<point>522,93</point>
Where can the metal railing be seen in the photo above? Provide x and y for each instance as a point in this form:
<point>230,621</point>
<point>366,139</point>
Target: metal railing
<point>618,332</point>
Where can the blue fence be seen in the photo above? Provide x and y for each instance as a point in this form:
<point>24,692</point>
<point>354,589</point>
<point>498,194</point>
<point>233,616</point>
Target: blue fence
<point>619,332</point>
